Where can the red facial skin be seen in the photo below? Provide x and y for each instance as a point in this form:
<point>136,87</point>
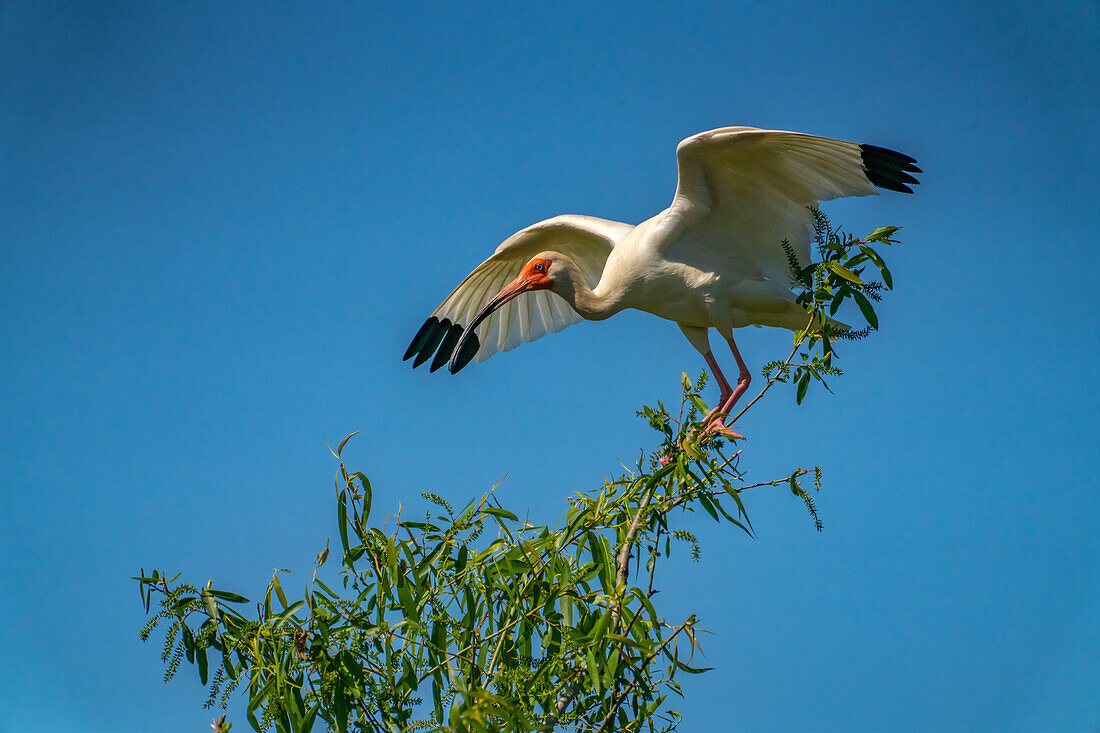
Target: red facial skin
<point>534,277</point>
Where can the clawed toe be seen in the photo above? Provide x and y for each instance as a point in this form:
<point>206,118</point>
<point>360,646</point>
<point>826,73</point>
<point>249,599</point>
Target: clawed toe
<point>719,427</point>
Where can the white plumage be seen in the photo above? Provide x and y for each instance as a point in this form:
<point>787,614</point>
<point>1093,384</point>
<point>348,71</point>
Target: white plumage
<point>712,259</point>
<point>586,239</point>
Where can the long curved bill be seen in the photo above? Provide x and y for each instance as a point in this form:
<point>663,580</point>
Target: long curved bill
<point>469,344</point>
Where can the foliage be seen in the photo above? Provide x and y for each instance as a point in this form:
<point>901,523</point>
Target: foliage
<point>472,619</point>
<point>824,287</point>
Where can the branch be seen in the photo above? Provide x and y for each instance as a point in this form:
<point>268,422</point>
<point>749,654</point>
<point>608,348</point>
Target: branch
<point>774,378</point>
<point>560,706</point>
<point>649,658</point>
<point>687,495</point>
<point>622,562</point>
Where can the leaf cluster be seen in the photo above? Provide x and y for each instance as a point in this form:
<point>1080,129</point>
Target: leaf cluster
<point>824,286</point>
<point>473,619</point>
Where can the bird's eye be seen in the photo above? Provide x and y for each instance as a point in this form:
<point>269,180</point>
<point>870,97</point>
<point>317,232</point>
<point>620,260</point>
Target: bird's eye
<point>539,267</point>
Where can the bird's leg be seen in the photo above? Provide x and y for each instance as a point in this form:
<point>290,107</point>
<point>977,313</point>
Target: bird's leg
<point>712,422</point>
<point>729,397</point>
<point>726,391</point>
<point>723,385</point>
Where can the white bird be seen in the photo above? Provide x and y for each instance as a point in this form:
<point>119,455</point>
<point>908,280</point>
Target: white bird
<point>712,259</point>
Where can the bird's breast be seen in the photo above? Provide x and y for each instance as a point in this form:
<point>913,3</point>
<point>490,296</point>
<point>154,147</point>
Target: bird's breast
<point>646,281</point>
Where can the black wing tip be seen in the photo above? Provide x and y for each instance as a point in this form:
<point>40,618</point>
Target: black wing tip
<point>430,341</point>
<point>447,347</point>
<point>465,354</point>
<point>889,169</point>
<point>440,337</point>
<point>874,150</point>
<point>418,340</point>
<point>881,181</point>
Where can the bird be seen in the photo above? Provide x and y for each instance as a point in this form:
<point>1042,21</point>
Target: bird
<point>712,260</point>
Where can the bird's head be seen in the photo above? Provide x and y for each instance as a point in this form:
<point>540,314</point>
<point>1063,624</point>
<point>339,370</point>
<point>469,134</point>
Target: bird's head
<point>536,274</point>
<point>544,271</point>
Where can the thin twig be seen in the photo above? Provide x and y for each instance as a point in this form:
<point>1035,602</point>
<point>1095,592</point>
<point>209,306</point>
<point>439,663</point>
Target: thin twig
<point>685,496</point>
<point>652,570</point>
<point>775,378</point>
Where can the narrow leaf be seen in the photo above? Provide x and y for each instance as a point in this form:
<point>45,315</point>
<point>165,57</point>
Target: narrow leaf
<point>209,603</point>
<point>866,308</point>
<point>342,519</point>
<point>880,234</point>
<point>504,513</point>
<point>367,493</point>
<point>345,442</point>
<point>843,272</point>
<point>803,385</point>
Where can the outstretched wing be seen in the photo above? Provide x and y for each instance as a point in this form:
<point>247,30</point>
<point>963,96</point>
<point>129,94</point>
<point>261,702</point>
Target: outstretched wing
<point>742,191</point>
<point>586,239</point>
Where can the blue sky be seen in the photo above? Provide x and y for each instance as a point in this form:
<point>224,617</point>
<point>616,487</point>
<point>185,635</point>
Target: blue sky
<point>222,224</point>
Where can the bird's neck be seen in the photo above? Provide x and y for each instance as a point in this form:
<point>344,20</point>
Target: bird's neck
<point>592,305</point>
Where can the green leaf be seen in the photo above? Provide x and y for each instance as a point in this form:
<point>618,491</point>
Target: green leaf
<point>593,671</point>
<point>279,589</point>
<point>880,234</point>
<point>345,442</point>
<point>310,718</point>
<point>873,256</point>
<point>570,529</point>
<point>228,666</point>
<point>604,566</point>
<point>504,513</point>
<point>691,670</point>
<point>866,308</point>
<point>843,272</point>
<point>290,610</point>
<point>803,385</point>
<point>460,561</point>
<point>855,260</point>
<point>209,603</point>
<point>367,494</point>
<point>601,626</point>
<point>227,596</point>
<point>704,501</point>
<point>342,519</point>
<point>340,705</point>
<point>645,648</point>
<point>731,519</point>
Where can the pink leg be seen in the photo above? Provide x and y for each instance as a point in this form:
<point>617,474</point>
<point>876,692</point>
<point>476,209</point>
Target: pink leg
<point>728,397</point>
<point>743,379</point>
<point>719,377</point>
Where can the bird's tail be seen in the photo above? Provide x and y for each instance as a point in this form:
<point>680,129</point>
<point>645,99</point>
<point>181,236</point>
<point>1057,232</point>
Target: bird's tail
<point>796,319</point>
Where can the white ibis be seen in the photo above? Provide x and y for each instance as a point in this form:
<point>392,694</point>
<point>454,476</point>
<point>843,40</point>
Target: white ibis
<point>712,259</point>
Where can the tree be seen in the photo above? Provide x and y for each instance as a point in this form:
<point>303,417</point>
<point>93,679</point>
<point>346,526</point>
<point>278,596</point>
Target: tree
<point>473,620</point>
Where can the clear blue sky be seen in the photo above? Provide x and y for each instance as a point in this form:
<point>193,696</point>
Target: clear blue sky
<point>220,225</point>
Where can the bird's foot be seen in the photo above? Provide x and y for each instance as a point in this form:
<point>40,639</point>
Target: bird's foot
<point>718,427</point>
